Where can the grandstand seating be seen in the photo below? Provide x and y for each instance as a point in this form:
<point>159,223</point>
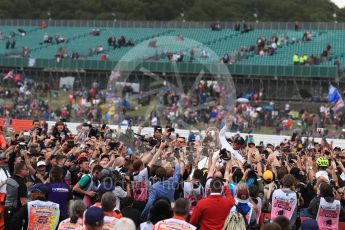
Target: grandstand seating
<point>226,40</point>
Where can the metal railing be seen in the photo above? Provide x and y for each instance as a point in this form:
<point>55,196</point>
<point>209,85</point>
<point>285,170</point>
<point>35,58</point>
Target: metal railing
<point>170,24</point>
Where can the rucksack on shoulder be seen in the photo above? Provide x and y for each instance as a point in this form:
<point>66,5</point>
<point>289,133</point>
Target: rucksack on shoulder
<point>235,221</point>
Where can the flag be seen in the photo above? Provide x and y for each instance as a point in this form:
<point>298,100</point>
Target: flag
<point>114,75</point>
<point>335,98</point>
<point>338,105</point>
<point>9,75</point>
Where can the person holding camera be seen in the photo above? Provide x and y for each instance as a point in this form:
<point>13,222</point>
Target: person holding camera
<point>87,185</point>
<point>212,211</point>
<point>165,186</point>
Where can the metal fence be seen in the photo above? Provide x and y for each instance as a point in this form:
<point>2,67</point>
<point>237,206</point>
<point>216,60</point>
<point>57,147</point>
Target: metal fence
<point>169,24</point>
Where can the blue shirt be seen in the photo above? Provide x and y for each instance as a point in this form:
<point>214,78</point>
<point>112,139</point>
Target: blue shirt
<point>59,193</point>
<point>162,189</point>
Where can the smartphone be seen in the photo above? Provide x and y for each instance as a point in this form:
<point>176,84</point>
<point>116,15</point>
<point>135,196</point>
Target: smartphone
<point>205,152</point>
<point>70,144</point>
<point>26,136</point>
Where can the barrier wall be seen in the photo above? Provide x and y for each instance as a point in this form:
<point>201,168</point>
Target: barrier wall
<point>167,67</point>
<point>22,125</point>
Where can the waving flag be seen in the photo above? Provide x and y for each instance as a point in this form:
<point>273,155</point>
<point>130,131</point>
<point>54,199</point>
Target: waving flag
<point>335,98</point>
<point>9,75</point>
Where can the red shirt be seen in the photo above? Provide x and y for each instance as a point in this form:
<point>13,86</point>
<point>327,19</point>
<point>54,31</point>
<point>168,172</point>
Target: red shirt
<point>210,213</point>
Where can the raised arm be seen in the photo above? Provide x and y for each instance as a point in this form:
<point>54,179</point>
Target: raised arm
<point>156,155</point>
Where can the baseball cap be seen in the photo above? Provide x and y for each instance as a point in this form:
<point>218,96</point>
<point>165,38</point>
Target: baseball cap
<point>39,188</point>
<point>40,163</point>
<point>268,175</point>
<point>309,224</point>
<point>242,194</point>
<point>82,159</point>
<point>158,128</point>
<point>239,140</point>
<point>93,216</point>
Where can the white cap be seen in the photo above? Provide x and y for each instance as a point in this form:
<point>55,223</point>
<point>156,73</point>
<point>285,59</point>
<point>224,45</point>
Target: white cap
<point>41,163</point>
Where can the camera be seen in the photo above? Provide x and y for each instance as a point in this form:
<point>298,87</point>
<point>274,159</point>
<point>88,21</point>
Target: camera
<point>70,144</point>
<point>204,152</point>
<point>177,153</point>
<point>224,155</point>
<point>246,166</point>
<point>22,146</point>
<point>113,145</point>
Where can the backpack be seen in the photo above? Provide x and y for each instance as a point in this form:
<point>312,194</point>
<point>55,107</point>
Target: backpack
<point>235,221</point>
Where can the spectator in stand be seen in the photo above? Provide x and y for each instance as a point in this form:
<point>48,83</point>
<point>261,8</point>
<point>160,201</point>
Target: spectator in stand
<point>13,43</point>
<point>237,26</point>
<point>95,32</point>
<point>225,59</point>
<point>25,52</point>
<point>295,59</point>
<point>297,25</point>
<point>130,43</point>
<point>215,26</point>
<point>104,57</point>
<point>110,41</point>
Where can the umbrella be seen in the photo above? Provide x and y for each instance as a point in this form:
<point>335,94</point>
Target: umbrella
<point>242,100</point>
<point>268,107</point>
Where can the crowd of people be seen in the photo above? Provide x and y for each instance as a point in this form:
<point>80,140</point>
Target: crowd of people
<point>102,178</point>
<point>199,106</point>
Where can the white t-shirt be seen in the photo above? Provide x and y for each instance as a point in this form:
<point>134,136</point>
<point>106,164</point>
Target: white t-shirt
<point>323,174</point>
<point>3,177</point>
<point>146,226</point>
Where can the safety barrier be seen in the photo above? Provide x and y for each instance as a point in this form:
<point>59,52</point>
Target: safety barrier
<point>171,24</point>
<point>183,68</point>
<point>24,125</point>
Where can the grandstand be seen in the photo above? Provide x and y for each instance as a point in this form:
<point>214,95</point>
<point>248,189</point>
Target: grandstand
<point>263,68</point>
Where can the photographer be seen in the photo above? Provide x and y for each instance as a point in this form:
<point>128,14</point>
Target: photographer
<point>86,186</point>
